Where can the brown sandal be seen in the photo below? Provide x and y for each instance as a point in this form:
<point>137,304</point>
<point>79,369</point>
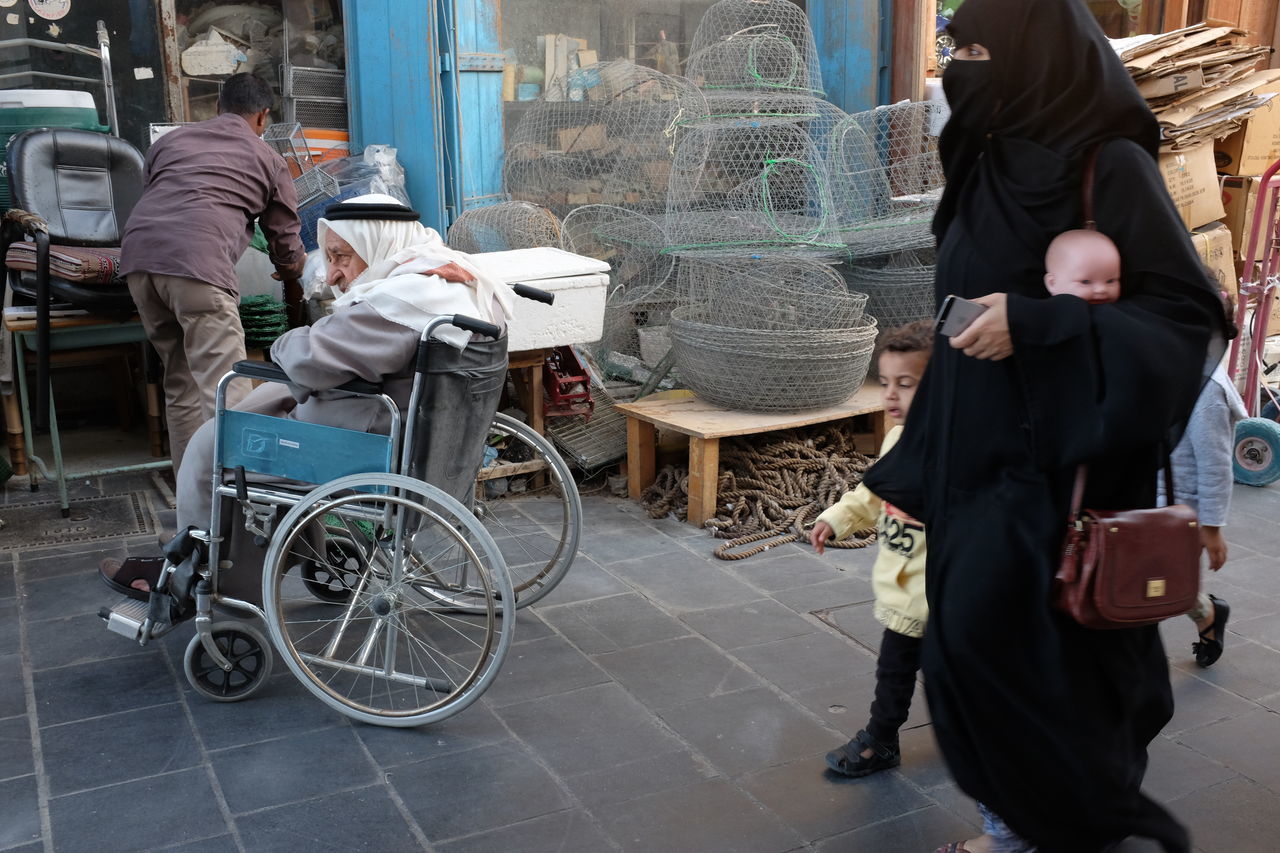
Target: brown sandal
<point>121,576</point>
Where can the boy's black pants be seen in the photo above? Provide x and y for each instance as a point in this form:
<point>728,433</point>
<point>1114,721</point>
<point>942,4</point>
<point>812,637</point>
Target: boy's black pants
<point>896,670</point>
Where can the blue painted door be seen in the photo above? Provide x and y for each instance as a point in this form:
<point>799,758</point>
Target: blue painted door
<point>479,99</point>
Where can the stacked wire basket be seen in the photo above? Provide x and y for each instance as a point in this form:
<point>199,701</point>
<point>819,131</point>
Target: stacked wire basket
<point>770,334</point>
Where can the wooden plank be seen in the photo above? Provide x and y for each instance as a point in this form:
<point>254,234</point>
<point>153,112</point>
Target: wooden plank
<point>642,456</point>
<point>1175,14</point>
<point>696,417</point>
<point>909,57</point>
<point>22,324</point>
<point>704,476</point>
<point>511,469</point>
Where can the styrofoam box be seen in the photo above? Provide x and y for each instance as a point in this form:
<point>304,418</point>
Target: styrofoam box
<point>579,283</point>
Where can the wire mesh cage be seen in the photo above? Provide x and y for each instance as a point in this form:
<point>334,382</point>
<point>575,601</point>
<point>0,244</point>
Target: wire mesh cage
<point>754,175</point>
<point>755,44</point>
<point>289,142</point>
<point>612,147</point>
<point>771,294</point>
<point>770,371</point>
<point>503,226</point>
<point>886,177</point>
<point>899,286</point>
<point>642,289</point>
<point>769,334</point>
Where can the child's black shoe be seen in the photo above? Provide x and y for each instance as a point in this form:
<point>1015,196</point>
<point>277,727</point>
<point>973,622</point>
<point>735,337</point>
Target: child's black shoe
<point>849,761</point>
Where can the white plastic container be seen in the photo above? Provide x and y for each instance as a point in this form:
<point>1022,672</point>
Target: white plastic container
<point>579,283</point>
<point>14,99</point>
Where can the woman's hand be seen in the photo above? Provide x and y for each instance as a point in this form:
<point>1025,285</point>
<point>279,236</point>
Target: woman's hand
<point>819,535</point>
<point>1215,545</point>
<point>988,336</point>
<point>452,272</point>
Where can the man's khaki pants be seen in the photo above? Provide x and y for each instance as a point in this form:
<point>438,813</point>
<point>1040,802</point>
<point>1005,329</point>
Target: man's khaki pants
<point>195,328</point>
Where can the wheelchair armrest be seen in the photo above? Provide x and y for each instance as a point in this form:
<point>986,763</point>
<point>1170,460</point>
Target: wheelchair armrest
<point>266,371</point>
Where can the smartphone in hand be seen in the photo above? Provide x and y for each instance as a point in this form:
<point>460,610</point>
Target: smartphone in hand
<point>956,314</point>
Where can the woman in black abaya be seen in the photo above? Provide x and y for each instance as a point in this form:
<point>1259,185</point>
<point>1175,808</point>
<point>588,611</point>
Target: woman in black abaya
<point>1045,722</point>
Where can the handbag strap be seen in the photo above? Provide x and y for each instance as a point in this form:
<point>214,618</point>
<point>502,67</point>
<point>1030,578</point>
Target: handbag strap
<point>1082,472</point>
<point>1086,188</point>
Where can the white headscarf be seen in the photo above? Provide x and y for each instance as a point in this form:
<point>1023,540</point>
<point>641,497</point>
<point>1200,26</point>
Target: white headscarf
<point>399,254</point>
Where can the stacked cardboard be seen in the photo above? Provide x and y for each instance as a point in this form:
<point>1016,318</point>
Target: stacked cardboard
<point>1201,83</point>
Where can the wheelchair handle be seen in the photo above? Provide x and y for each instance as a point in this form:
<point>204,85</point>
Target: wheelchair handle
<point>471,324</point>
<point>537,295</point>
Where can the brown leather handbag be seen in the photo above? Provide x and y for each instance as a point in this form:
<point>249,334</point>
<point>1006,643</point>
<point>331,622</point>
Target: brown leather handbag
<point>1128,568</point>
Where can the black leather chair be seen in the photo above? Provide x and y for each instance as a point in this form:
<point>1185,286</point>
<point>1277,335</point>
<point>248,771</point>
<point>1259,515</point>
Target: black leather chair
<point>81,187</point>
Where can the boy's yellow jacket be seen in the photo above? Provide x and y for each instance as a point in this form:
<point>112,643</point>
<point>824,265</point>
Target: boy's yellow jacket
<point>897,579</point>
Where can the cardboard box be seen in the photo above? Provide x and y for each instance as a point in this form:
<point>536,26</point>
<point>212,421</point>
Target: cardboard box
<point>1192,182</point>
<point>1213,245</point>
<point>588,138</point>
<point>1239,195</point>
<point>1256,145</point>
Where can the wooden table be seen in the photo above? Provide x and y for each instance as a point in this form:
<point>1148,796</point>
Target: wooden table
<point>706,424</point>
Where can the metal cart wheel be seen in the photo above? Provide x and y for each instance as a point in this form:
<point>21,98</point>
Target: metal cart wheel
<point>397,651</point>
<point>1257,452</point>
<point>537,529</point>
<point>247,650</point>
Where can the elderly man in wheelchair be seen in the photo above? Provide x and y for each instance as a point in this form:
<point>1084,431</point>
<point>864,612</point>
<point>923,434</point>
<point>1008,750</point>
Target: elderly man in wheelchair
<point>379,588</point>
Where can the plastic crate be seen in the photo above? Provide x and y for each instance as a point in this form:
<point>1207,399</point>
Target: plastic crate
<point>312,213</point>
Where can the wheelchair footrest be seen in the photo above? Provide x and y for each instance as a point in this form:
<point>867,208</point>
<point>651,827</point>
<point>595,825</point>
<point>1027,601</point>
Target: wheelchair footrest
<point>126,616</point>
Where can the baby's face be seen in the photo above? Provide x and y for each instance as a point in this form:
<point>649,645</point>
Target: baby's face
<point>1092,276</point>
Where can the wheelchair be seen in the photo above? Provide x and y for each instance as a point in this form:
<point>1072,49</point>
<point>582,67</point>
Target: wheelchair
<point>381,589</point>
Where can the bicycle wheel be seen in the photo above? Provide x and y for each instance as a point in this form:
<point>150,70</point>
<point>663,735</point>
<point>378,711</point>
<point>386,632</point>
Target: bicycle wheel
<point>537,519</point>
<point>394,649</point>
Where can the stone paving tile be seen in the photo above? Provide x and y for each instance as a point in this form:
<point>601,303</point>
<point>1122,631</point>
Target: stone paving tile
<point>21,809</point>
<point>749,731</point>
<point>613,623</point>
<point>832,593</point>
<point>64,595</point>
<point>103,687</point>
<point>217,844</point>
<point>585,581</point>
<point>363,819</point>
<point>789,568</point>
<point>8,573</point>
<point>75,558</point>
<point>1248,744</point>
<point>1177,770</point>
<point>631,778</point>
<point>748,624</point>
<point>1246,669</point>
<point>554,833</point>
<point>683,581</point>
<point>818,804</point>
<point>126,746</point>
<point>77,639</point>
<point>917,832</point>
<point>805,662</point>
<point>280,708</point>
<point>1236,816</point>
<point>587,729</point>
<point>474,791</point>
<point>845,705</point>
<point>542,668</point>
<point>292,769</point>
<point>9,625</point>
<point>1198,703</point>
<point>391,747</point>
<point>137,815</point>
<point>711,815</point>
<point>13,699</point>
<point>15,748</point>
<point>673,672</point>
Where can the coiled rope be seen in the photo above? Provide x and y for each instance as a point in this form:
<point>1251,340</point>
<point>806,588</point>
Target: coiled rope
<point>770,493</point>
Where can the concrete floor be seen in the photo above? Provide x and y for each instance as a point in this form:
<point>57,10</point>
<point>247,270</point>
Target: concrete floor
<point>658,700</point>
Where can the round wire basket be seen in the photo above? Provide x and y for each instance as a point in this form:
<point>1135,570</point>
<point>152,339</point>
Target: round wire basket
<point>899,286</point>
<point>756,370</point>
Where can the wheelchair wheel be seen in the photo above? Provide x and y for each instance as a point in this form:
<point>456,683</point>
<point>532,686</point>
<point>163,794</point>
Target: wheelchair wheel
<point>1256,460</point>
<point>333,578</point>
<point>537,529</point>
<point>247,650</point>
<point>396,650</point>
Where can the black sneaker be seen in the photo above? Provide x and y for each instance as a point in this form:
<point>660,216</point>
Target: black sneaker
<point>849,761</point>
